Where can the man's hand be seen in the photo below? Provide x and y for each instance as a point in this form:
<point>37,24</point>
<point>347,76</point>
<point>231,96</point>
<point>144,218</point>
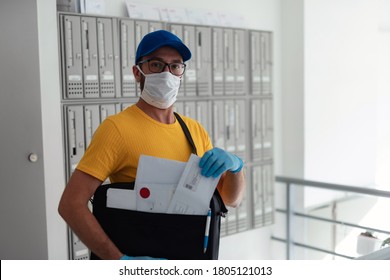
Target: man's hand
<point>126,257</point>
<point>216,161</point>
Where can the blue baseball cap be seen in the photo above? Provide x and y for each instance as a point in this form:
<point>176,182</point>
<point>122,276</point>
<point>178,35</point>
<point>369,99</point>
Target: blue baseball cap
<point>161,38</point>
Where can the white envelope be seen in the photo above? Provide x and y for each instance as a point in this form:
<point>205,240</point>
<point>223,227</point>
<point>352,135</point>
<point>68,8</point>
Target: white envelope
<point>156,182</point>
<point>158,170</point>
<point>121,199</point>
<point>154,197</point>
<point>194,191</point>
<point>169,186</point>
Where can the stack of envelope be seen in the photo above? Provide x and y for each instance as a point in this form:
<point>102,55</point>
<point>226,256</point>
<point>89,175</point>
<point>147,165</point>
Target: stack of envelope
<point>166,186</point>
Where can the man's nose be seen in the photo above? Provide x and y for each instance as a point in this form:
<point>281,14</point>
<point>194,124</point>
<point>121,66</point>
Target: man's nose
<point>166,68</point>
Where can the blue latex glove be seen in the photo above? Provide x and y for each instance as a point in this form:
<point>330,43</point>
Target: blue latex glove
<point>216,161</point>
<point>126,257</point>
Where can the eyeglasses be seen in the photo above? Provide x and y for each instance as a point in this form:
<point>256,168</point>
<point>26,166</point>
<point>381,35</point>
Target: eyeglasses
<point>157,66</point>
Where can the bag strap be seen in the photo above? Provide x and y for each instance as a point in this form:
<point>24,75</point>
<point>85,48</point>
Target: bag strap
<point>187,133</point>
<point>223,210</point>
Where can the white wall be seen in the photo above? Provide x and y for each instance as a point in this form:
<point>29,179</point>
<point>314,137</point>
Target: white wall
<point>292,88</point>
<point>340,90</point>
<point>383,134</point>
<point>341,74</point>
<point>290,129</point>
<point>259,14</point>
<point>53,152</point>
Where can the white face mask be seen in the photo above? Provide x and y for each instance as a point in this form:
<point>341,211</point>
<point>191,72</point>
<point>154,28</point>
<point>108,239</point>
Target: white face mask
<point>160,89</point>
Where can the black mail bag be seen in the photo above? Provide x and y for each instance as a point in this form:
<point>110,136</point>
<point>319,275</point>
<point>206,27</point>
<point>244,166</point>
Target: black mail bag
<point>159,235</point>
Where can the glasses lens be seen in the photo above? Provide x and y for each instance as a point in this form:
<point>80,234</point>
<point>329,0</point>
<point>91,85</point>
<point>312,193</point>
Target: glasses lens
<point>157,66</point>
<point>177,68</point>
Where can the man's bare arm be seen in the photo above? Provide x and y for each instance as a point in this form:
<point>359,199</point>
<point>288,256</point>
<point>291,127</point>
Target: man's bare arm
<point>73,208</point>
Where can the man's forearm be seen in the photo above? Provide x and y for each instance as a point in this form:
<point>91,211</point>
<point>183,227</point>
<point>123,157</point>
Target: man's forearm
<point>233,188</point>
<point>86,227</point>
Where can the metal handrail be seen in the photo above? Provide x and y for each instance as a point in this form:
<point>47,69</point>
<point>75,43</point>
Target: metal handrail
<point>328,186</point>
<point>298,214</point>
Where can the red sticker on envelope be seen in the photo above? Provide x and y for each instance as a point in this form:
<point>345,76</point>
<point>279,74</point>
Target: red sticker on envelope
<point>144,192</point>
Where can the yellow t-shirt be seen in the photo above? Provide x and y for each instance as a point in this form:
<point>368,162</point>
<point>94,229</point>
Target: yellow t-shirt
<point>120,140</point>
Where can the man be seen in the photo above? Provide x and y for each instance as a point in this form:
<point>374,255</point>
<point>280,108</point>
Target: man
<point>148,127</point>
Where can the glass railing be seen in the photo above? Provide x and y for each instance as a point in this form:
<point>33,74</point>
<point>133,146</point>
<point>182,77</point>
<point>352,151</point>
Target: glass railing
<point>332,221</point>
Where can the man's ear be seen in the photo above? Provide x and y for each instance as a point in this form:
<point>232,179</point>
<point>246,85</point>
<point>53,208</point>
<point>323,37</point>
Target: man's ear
<point>137,74</point>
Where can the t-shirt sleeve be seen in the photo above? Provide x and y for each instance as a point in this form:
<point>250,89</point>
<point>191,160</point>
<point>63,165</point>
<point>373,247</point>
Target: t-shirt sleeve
<point>203,139</point>
<point>207,143</point>
<point>105,153</point>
